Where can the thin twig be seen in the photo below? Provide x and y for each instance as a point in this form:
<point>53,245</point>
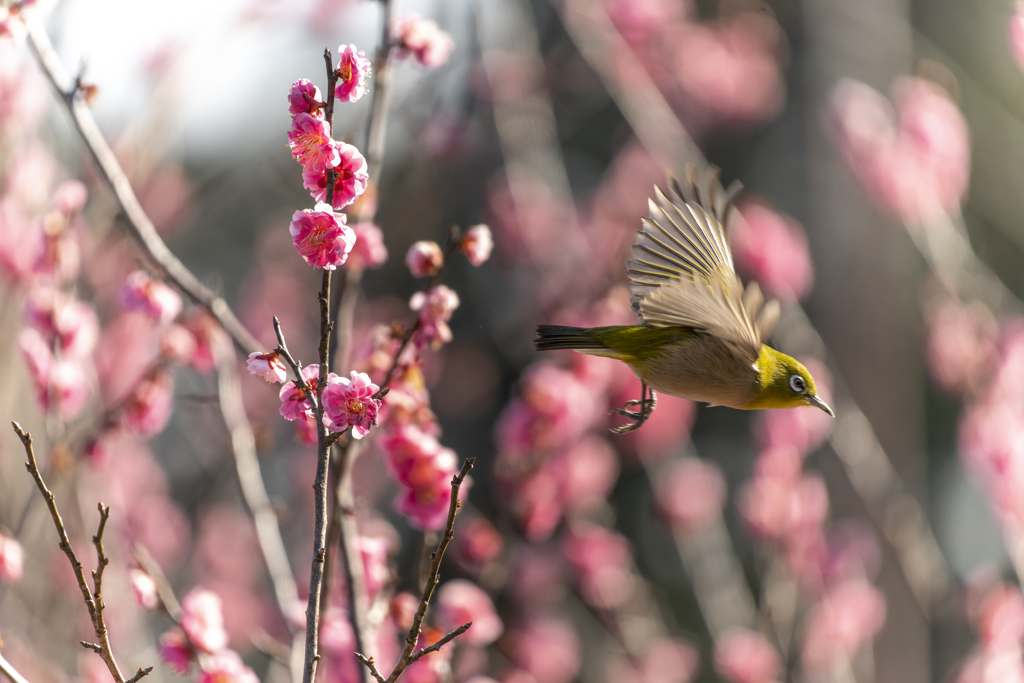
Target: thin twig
<point>422,652</point>
<point>140,225</point>
<point>372,666</point>
<point>163,586</point>
<point>432,581</point>
<point>93,599</point>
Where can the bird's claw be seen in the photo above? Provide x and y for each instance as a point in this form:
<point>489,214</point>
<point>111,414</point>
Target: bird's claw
<point>639,417</point>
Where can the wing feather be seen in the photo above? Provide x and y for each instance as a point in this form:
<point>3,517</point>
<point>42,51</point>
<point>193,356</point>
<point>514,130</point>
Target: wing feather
<point>682,272</point>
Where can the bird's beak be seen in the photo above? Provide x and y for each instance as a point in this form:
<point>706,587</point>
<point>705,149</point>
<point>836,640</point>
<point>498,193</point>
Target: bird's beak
<point>815,401</point>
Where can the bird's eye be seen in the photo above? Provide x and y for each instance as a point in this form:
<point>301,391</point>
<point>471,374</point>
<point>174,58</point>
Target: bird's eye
<point>797,384</point>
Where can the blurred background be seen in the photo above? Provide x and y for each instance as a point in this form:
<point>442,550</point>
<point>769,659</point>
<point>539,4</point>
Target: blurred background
<point>880,146</point>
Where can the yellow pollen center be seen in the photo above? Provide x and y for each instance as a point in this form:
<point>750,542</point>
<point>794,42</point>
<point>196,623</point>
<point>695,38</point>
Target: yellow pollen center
<point>354,405</point>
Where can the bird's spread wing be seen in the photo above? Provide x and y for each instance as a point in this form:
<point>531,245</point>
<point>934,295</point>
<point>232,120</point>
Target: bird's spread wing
<point>682,273</point>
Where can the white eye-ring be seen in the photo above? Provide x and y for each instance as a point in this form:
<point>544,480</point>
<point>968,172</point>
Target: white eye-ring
<point>797,384</point>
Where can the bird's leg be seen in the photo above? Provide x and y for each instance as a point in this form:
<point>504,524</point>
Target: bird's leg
<point>640,416</point>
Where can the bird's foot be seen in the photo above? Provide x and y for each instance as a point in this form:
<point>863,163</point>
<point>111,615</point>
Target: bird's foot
<point>640,416</point>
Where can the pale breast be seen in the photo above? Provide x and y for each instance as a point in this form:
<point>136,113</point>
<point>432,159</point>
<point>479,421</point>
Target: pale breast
<point>700,368</point>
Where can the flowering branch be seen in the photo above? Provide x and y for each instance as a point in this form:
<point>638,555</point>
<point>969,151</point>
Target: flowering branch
<point>409,653</point>
<point>316,574</point>
<point>94,598</point>
<point>141,226</point>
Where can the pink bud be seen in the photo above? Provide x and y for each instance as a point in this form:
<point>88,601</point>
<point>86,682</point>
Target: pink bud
<point>144,588</point>
<point>424,259</point>
<point>477,244</point>
<point>304,98</point>
<point>269,366</point>
<point>10,559</point>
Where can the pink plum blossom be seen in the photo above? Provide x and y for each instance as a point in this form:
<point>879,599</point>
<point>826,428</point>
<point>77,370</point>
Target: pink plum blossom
<point>152,297</point>
<point>226,666</point>
<point>548,649</point>
<point>304,98</point>
<point>294,403</point>
<point>477,244</point>
<point>435,308</point>
<point>321,236</point>
<point>369,250</point>
<point>602,562</point>
<point>962,344</point>
<point>175,650</point>
<point>311,143</point>
<point>772,249</point>
<point>350,402</point>
<point>914,163</point>
<point>743,656</point>
<point>422,38</point>
<point>71,324</point>
<point>690,494</point>
<point>424,258</point>
<point>203,620</point>
<point>459,602</point>
<point>424,468</point>
<point>427,506</point>
<point>149,408</point>
<point>143,588</point>
<point>270,366</point>
<point>350,180</point>
<point>353,70</point>
<point>847,617</point>
<point>10,559</point>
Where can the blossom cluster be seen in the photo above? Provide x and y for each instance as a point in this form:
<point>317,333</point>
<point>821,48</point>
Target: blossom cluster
<point>349,402</point>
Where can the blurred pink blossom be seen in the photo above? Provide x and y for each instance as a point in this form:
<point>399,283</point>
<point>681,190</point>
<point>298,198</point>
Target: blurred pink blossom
<point>16,229</point>
<point>478,543</point>
<point>602,562</point>
<point>374,553</point>
<point>350,180</point>
<point>459,602</point>
<point>29,175</point>
<point>63,320</point>
<point>666,661</point>
<point>23,94</point>
<point>353,69</point>
<point>477,244</point>
<point>999,618</point>
<point>369,250</point>
<point>403,609</point>
<point>338,643</point>
<point>175,650</point>
<point>915,166</point>
<point>226,666</point>
<point>546,648</point>
<point>293,401</point>
<point>321,236</point>
<point>152,297</point>
<point>772,249</point>
<point>304,98</point>
<point>149,408</point>
<point>743,656</point>
<point>847,617</point>
<point>427,506</point>
<point>690,494</point>
<point>641,22</point>
<point>143,588</point>
<point>69,198</point>
<point>729,71</point>
<point>962,344</point>
<point>269,366</point>
<point>422,38</point>
<point>203,620</point>
<point>424,258</point>
<point>10,559</point>
<point>585,473</point>
<point>349,402</point>
<point>206,331</point>
<point>435,308</point>
<point>311,143</point>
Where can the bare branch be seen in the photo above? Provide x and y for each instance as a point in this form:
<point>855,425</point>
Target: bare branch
<point>369,664</point>
<point>163,586</point>
<point>10,671</point>
<point>93,599</point>
<point>141,226</point>
<point>439,644</point>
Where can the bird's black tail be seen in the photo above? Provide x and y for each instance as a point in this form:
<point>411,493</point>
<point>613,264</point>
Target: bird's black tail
<point>559,337</point>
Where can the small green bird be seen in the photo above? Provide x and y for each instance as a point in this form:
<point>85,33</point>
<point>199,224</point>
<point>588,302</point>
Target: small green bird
<point>701,333</point>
